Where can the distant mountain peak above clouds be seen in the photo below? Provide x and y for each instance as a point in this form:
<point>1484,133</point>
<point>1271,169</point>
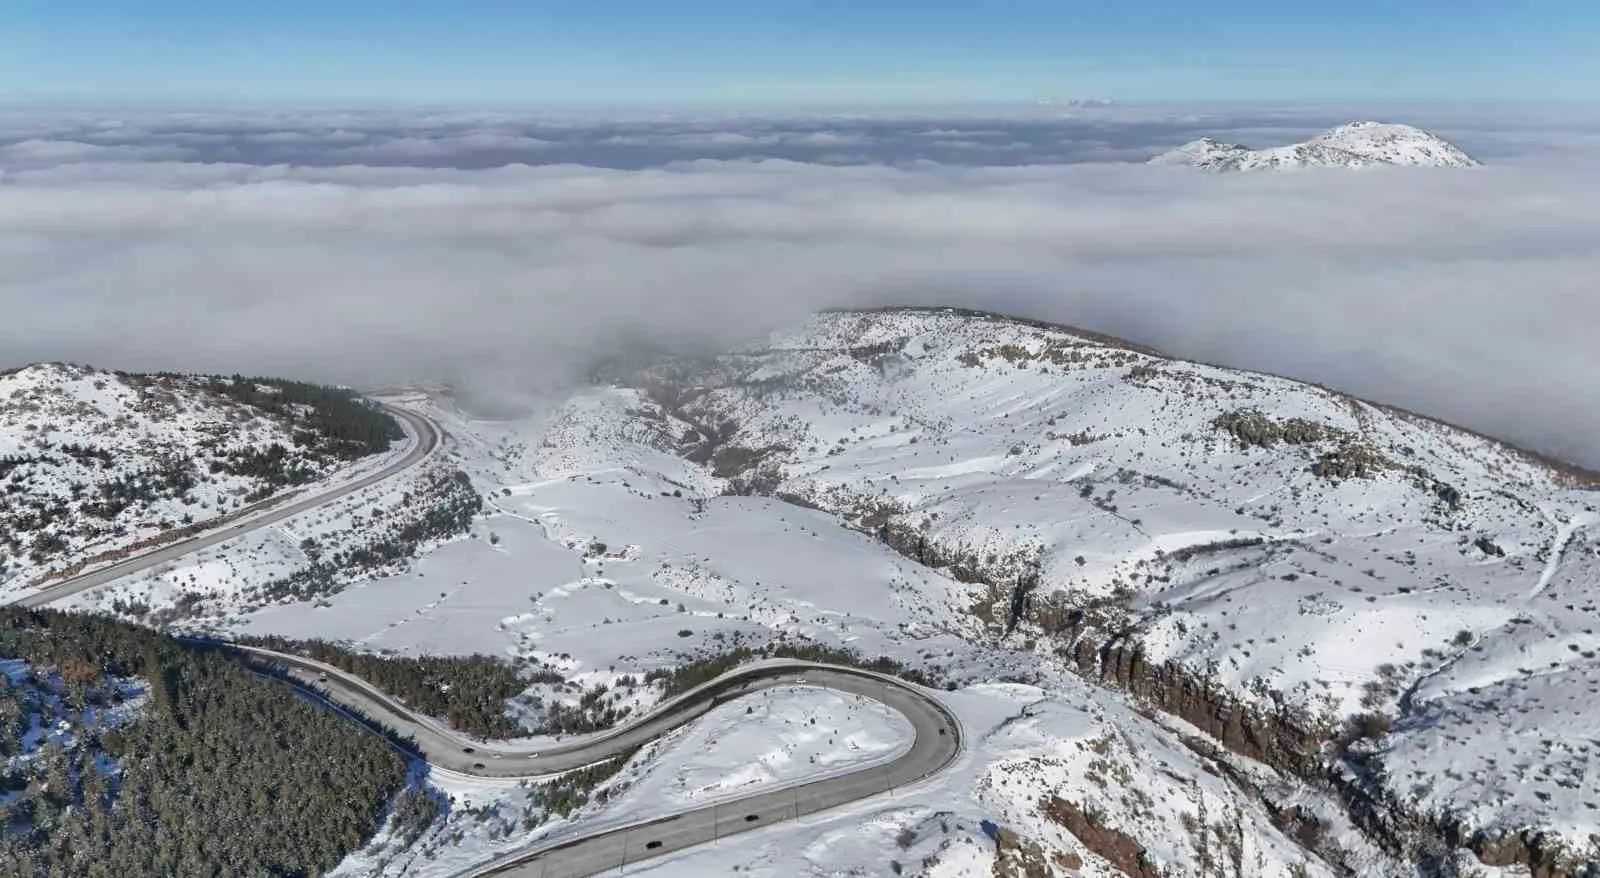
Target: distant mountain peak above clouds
<point>1352,145</point>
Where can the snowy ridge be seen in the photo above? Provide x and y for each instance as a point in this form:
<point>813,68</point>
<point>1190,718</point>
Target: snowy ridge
<point>1296,546</point>
<point>94,462</point>
<point>1353,145</point>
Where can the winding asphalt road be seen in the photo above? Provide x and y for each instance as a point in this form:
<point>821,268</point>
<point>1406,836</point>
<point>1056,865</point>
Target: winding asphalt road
<point>936,744</point>
<point>422,430</point>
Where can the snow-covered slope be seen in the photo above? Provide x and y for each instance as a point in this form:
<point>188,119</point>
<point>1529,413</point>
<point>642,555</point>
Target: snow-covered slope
<point>1354,145</point>
<point>1125,566</point>
<point>1350,573</point>
<point>606,558</point>
<point>95,462</point>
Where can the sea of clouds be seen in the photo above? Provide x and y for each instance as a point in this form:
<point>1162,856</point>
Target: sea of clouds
<point>514,249</point>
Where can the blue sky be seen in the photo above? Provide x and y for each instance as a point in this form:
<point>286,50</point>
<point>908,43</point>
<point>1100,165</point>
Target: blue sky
<point>768,52</point>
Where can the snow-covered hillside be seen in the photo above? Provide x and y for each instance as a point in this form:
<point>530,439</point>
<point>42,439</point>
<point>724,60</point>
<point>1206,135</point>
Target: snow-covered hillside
<point>1350,573</point>
<point>1194,619</point>
<point>606,558</point>
<point>1353,145</point>
<point>95,463</point>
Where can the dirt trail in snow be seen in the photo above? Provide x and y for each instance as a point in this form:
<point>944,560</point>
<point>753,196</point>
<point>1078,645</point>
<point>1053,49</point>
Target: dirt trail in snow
<point>1558,546</point>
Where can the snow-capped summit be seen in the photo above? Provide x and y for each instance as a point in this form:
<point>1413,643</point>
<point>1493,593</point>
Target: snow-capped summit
<point>1353,145</point>
<point>1207,153</point>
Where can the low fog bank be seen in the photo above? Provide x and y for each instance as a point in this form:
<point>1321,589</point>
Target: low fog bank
<point>1467,295</point>
<point>34,139</point>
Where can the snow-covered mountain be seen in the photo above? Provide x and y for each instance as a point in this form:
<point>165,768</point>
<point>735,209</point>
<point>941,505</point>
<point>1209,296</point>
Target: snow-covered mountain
<point>93,463</point>
<point>1196,620</point>
<point>1354,145</point>
<point>1336,574</point>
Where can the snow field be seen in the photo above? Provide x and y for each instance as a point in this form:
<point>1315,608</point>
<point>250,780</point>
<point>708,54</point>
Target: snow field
<point>1027,449</point>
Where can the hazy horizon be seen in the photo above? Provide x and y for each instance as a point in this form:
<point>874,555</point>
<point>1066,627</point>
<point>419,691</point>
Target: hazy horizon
<point>507,250</point>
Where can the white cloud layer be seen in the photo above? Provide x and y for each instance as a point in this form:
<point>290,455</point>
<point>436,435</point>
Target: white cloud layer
<point>1470,295</point>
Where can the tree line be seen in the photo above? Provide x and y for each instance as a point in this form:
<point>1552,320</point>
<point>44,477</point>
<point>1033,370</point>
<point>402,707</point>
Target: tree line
<point>467,692</point>
<point>219,772</point>
<point>442,506</point>
<point>333,420</point>
<point>678,680</point>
